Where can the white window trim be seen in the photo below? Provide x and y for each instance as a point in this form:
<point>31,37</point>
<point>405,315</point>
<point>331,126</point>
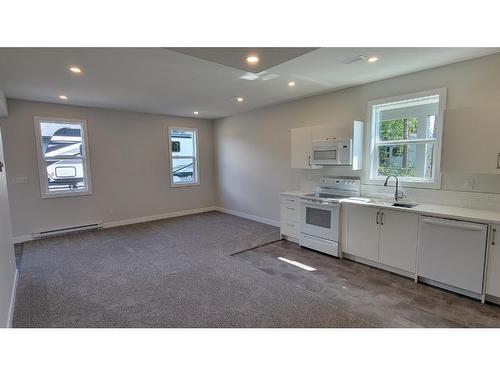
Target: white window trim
<point>42,168</point>
<point>370,151</point>
<point>196,157</point>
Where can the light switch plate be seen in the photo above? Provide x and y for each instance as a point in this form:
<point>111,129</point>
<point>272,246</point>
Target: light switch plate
<point>19,180</point>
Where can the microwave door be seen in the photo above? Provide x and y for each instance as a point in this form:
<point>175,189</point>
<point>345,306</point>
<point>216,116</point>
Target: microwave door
<point>325,156</point>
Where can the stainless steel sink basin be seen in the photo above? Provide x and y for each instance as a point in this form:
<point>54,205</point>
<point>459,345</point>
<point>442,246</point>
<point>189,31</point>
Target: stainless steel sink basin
<point>405,204</point>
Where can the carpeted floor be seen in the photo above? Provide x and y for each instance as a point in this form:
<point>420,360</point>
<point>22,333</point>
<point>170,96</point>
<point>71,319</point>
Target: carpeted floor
<point>169,273</point>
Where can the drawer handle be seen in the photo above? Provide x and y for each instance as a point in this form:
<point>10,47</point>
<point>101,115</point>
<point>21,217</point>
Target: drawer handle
<point>493,233</point>
<point>453,224</point>
<point>290,208</point>
<point>290,225</point>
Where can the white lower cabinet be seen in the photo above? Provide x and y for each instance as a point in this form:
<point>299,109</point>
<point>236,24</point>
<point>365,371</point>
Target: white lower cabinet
<point>398,239</point>
<point>493,272</point>
<point>363,232</point>
<point>383,236</point>
<point>289,218</point>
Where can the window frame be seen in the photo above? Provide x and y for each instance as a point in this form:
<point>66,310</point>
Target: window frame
<point>42,163</point>
<point>371,144</point>
<point>195,157</point>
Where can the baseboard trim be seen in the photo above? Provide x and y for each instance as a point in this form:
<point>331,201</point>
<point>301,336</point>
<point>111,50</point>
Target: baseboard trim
<point>13,299</point>
<point>260,219</point>
<point>118,223</point>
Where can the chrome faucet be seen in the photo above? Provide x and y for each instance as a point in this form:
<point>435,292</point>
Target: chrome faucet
<point>396,193</point>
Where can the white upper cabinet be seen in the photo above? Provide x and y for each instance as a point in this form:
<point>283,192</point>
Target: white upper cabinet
<point>398,239</point>
<point>321,132</point>
<point>493,273</point>
<point>470,141</point>
<point>301,143</point>
<point>302,138</point>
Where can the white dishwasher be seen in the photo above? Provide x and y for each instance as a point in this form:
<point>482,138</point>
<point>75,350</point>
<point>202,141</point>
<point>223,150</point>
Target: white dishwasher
<point>452,253</point>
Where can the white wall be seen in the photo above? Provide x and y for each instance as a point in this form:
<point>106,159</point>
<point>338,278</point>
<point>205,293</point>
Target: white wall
<point>7,258</point>
<point>253,149</point>
<point>129,163</point>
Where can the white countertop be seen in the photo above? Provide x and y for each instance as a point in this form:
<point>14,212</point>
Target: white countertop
<point>450,212</point>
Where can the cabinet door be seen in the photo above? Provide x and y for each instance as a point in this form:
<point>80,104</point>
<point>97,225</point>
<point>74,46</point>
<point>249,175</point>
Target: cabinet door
<point>398,239</point>
<point>301,148</point>
<point>363,232</point>
<point>493,273</point>
<point>321,132</point>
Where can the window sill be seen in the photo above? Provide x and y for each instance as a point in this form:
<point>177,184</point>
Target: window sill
<point>66,195</point>
<point>185,185</point>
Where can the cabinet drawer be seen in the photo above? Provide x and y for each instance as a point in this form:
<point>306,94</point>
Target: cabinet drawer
<point>289,212</point>
<point>289,200</point>
<point>290,228</point>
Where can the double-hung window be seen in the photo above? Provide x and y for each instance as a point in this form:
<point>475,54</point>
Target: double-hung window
<point>183,156</point>
<point>63,160</point>
<point>405,138</point>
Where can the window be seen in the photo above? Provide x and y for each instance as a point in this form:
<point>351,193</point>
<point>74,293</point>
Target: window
<point>405,138</point>
<point>62,157</point>
<point>183,157</point>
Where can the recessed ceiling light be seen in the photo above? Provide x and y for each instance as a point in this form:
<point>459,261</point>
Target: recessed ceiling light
<point>252,59</point>
<point>291,83</point>
<point>195,113</point>
<point>63,97</point>
<point>373,59</point>
<point>75,69</point>
<point>239,99</point>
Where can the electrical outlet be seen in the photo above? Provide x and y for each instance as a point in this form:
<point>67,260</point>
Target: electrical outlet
<point>469,183</point>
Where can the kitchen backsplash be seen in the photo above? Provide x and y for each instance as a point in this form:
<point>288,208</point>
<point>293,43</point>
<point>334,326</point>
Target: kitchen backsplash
<point>484,194</point>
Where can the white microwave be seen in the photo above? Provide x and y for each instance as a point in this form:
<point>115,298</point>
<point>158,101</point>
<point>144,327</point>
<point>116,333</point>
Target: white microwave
<point>332,152</point>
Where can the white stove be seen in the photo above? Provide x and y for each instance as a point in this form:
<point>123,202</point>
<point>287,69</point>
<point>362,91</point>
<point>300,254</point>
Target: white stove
<point>319,219</point>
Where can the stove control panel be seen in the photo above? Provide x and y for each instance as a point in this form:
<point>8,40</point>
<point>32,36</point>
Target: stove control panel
<point>341,183</point>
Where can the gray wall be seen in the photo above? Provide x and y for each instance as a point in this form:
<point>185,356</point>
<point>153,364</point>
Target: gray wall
<point>253,149</point>
<point>129,163</point>
<point>7,260</point>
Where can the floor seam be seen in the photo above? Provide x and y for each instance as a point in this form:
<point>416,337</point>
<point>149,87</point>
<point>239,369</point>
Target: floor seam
<point>255,247</point>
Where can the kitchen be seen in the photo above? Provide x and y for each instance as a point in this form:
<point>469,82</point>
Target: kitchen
<point>448,246</point>
<point>322,178</point>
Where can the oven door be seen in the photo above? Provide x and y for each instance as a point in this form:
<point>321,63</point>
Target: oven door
<point>320,219</point>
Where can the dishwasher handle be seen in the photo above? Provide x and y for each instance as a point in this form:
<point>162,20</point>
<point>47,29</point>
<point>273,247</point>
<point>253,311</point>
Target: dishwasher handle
<point>454,224</point>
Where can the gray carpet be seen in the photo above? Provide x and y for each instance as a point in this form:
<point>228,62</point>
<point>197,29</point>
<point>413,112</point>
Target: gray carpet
<point>169,273</point>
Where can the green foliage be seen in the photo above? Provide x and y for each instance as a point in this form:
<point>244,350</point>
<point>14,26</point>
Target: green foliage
<point>392,130</point>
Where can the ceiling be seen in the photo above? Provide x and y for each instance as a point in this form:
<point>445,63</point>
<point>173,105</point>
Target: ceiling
<point>180,81</point>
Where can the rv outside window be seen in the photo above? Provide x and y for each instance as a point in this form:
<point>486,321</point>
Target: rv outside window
<point>63,160</point>
<point>183,157</point>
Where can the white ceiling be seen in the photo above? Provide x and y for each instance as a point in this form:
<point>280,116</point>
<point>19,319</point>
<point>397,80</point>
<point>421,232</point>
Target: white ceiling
<point>164,81</point>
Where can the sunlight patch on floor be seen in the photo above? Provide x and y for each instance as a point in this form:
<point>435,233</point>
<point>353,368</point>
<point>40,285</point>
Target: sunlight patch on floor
<point>297,264</point>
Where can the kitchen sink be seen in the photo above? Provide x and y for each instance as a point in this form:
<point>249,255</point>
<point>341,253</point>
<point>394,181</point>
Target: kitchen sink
<point>405,205</point>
